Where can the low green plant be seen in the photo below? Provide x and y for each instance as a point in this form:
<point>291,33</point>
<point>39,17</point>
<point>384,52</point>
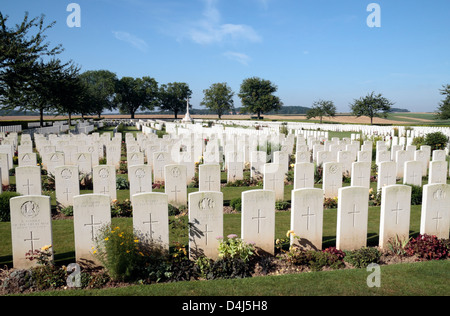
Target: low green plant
<point>236,204</point>
<point>4,205</point>
<point>282,205</point>
<point>436,140</point>
<point>397,246</point>
<point>129,257</point>
<point>416,195</point>
<point>122,184</point>
<point>234,247</point>
<point>67,210</point>
<point>362,257</point>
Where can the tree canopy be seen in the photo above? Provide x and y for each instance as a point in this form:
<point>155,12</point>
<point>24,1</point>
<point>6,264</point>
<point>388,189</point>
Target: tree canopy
<point>372,106</point>
<point>133,94</point>
<point>443,111</point>
<point>218,98</point>
<point>173,96</point>
<point>257,96</point>
<point>320,109</point>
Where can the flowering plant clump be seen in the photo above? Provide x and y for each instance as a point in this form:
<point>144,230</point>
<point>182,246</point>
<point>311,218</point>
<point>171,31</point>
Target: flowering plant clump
<point>121,208</point>
<point>330,202</point>
<point>233,247</point>
<point>374,198</point>
<point>43,256</point>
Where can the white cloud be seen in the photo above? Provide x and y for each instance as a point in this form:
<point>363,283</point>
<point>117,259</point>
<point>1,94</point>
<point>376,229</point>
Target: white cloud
<point>132,39</point>
<point>239,57</point>
<point>210,30</point>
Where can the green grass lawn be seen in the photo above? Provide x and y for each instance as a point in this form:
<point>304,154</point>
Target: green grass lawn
<point>428,278</point>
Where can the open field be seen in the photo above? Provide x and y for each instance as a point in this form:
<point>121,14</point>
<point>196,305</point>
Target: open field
<point>393,118</point>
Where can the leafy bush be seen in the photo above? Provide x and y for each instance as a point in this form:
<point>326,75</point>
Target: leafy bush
<point>315,260</point>
<point>427,247</point>
<point>436,140</point>
<point>236,204</point>
<point>121,208</point>
<point>68,210</point>
<point>361,258</point>
<point>282,205</point>
<point>233,247</point>
<point>4,205</point>
<point>122,184</point>
<point>416,195</point>
<point>126,256</point>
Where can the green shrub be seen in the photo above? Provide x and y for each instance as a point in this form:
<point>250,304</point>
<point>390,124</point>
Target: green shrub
<point>361,258</point>
<point>122,184</point>
<point>236,204</point>
<point>282,205</point>
<point>315,260</point>
<point>129,257</point>
<point>68,210</point>
<point>416,195</point>
<point>436,140</point>
<point>4,205</point>
<point>233,247</point>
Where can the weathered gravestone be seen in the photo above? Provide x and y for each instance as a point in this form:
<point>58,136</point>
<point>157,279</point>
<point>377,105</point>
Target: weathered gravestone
<point>209,177</point>
<point>307,217</point>
<point>258,219</point>
<point>438,172</point>
<point>274,179</point>
<point>303,175</point>
<point>361,174</point>
<point>104,179</point>
<point>160,160</point>
<point>205,223</point>
<point>235,171</point>
<point>332,179</point>
<point>4,166</point>
<point>28,180</point>
<point>387,174</point>
<point>27,159</point>
<point>352,218</point>
<point>151,217</point>
<point>31,227</point>
<point>140,178</point>
<point>394,213</point>
<point>412,173</point>
<point>91,213</point>
<point>175,184</point>
<point>67,185</point>
<point>435,214</point>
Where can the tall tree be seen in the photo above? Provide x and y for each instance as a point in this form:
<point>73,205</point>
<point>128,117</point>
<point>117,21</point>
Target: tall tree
<point>21,50</point>
<point>257,96</point>
<point>100,90</point>
<point>372,106</point>
<point>133,94</point>
<point>173,96</point>
<point>218,98</point>
<point>320,109</point>
<point>443,112</point>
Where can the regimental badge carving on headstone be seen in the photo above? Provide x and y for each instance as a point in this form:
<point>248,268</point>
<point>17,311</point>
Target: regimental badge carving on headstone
<point>206,204</point>
<point>29,209</point>
<point>439,194</point>
<point>140,173</point>
<point>66,174</point>
<point>103,173</point>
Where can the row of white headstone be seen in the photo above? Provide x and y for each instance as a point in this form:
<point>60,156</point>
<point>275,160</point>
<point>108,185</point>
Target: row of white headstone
<point>31,224</point>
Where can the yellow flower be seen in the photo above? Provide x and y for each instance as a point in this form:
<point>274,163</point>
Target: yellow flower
<point>94,252</point>
<point>136,240</point>
<point>289,233</point>
<point>128,251</point>
<point>141,253</point>
<point>45,248</point>
<point>107,238</point>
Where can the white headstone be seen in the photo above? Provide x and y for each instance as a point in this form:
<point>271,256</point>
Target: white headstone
<point>67,185</point>
<point>235,171</point>
<point>361,174</point>
<point>274,179</point>
<point>438,172</point>
<point>28,180</point>
<point>435,216</point>
<point>412,173</point>
<point>151,216</point>
<point>104,179</point>
<point>160,160</point>
<point>205,223</point>
<point>303,175</point>
<point>4,166</point>
<point>209,177</point>
<point>387,174</point>
<point>140,178</point>
<point>332,179</point>
<point>91,212</point>
<point>31,227</point>
<point>307,217</point>
<point>352,218</point>
<point>175,184</point>
<point>258,219</point>
<point>394,213</point>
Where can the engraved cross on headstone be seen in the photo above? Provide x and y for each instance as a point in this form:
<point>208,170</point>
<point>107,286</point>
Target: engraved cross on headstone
<point>28,185</point>
<point>437,219</point>
<point>176,191</point>
<point>92,224</point>
<point>150,223</point>
<point>353,213</point>
<point>308,216</point>
<point>259,217</point>
<point>396,210</point>
<point>31,240</point>
<point>209,181</point>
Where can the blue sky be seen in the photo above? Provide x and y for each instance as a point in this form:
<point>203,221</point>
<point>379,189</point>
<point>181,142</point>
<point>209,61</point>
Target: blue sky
<point>310,49</point>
